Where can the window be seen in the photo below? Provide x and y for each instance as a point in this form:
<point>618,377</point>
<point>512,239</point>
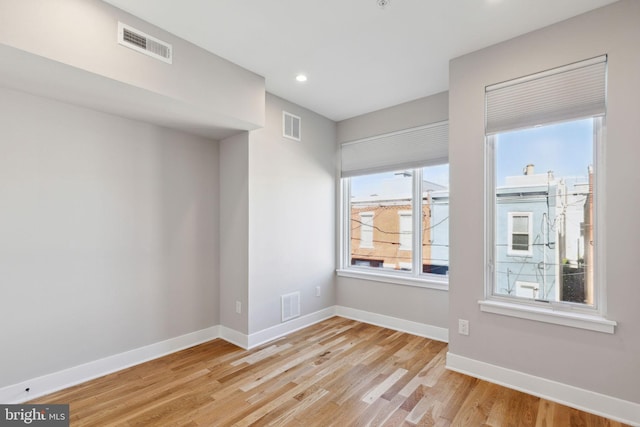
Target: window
<point>544,133</point>
<point>367,262</point>
<point>395,207</point>
<point>519,233</point>
<point>406,232</point>
<point>549,238</point>
<point>389,199</point>
<point>366,229</point>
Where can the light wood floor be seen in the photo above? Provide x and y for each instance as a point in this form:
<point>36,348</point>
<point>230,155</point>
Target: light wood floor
<point>339,372</point>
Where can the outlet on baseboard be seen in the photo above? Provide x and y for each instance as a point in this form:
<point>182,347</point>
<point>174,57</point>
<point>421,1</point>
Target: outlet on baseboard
<point>238,307</point>
<point>463,327</point>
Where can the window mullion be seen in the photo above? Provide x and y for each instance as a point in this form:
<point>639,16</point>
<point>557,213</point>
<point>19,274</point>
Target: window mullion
<point>417,222</point>
<point>490,187</point>
<point>346,221</point>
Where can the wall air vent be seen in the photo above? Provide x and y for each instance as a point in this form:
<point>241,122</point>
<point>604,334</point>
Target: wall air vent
<point>290,306</point>
<point>144,43</point>
<point>291,126</point>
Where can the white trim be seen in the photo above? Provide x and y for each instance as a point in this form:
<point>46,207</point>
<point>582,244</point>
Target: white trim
<point>234,337</point>
<point>65,378</point>
<point>548,315</point>
<point>286,328</point>
<point>584,400</point>
<point>429,281</point>
<point>415,328</point>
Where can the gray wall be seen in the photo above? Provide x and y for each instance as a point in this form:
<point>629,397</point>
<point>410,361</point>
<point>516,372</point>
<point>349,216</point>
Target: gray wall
<point>108,235</point>
<point>419,112</point>
<point>595,361</point>
<point>291,214</point>
<point>234,231</point>
<point>422,305</point>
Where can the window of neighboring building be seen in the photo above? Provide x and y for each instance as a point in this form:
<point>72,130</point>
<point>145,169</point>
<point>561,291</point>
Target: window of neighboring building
<point>406,232</point>
<point>376,263</point>
<point>519,233</point>
<point>544,133</point>
<point>402,181</point>
<point>365,224</point>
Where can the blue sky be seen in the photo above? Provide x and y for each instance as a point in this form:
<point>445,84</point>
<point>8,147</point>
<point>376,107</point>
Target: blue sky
<point>395,183</point>
<point>564,148</point>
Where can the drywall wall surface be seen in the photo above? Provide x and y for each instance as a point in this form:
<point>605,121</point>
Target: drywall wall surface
<point>108,235</point>
<point>291,214</point>
<point>234,231</point>
<point>82,35</point>
<point>417,304</point>
<point>604,363</point>
<point>413,303</point>
<point>430,109</point>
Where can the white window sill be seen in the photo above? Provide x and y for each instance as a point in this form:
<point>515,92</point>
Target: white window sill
<point>548,315</point>
<point>431,281</point>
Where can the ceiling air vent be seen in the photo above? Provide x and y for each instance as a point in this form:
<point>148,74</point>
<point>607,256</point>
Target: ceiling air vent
<point>144,43</point>
<point>291,126</point>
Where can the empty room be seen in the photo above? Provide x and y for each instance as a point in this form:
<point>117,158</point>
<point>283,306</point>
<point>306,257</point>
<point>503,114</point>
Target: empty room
<point>303,213</point>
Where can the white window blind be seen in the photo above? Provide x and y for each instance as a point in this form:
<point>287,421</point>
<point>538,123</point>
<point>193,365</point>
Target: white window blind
<point>416,147</point>
<point>566,93</point>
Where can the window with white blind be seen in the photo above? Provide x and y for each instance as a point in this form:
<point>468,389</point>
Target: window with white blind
<point>401,180</point>
<point>544,140</point>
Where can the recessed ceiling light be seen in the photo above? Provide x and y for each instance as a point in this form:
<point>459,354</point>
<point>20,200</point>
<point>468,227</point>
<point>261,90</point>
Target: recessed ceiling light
<point>301,78</point>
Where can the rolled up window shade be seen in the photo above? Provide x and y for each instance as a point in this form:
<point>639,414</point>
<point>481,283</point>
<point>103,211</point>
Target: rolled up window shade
<point>566,93</point>
<point>416,147</point>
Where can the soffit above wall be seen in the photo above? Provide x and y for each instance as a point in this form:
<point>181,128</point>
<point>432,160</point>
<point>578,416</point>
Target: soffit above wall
<point>40,76</point>
<point>68,50</point>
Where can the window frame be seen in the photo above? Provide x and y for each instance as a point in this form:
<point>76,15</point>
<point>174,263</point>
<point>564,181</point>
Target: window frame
<point>554,312</point>
<point>415,277</point>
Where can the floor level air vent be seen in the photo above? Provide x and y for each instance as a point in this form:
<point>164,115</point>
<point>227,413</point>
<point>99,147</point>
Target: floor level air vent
<point>291,126</point>
<point>290,306</point>
<point>144,43</point>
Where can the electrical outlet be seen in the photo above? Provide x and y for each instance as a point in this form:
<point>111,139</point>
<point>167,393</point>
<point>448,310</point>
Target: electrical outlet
<point>238,307</point>
<point>317,291</point>
<point>463,327</point>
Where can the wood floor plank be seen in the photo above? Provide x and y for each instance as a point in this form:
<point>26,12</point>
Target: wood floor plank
<point>338,372</point>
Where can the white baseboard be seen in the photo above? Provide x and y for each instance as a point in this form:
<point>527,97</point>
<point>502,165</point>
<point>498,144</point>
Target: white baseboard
<point>55,381</point>
<point>46,384</point>
<point>288,327</point>
<point>584,400</point>
<point>234,337</point>
<point>269,334</point>
<point>402,325</point>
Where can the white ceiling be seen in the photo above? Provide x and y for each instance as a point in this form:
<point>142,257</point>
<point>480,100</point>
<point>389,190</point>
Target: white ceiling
<point>358,57</point>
